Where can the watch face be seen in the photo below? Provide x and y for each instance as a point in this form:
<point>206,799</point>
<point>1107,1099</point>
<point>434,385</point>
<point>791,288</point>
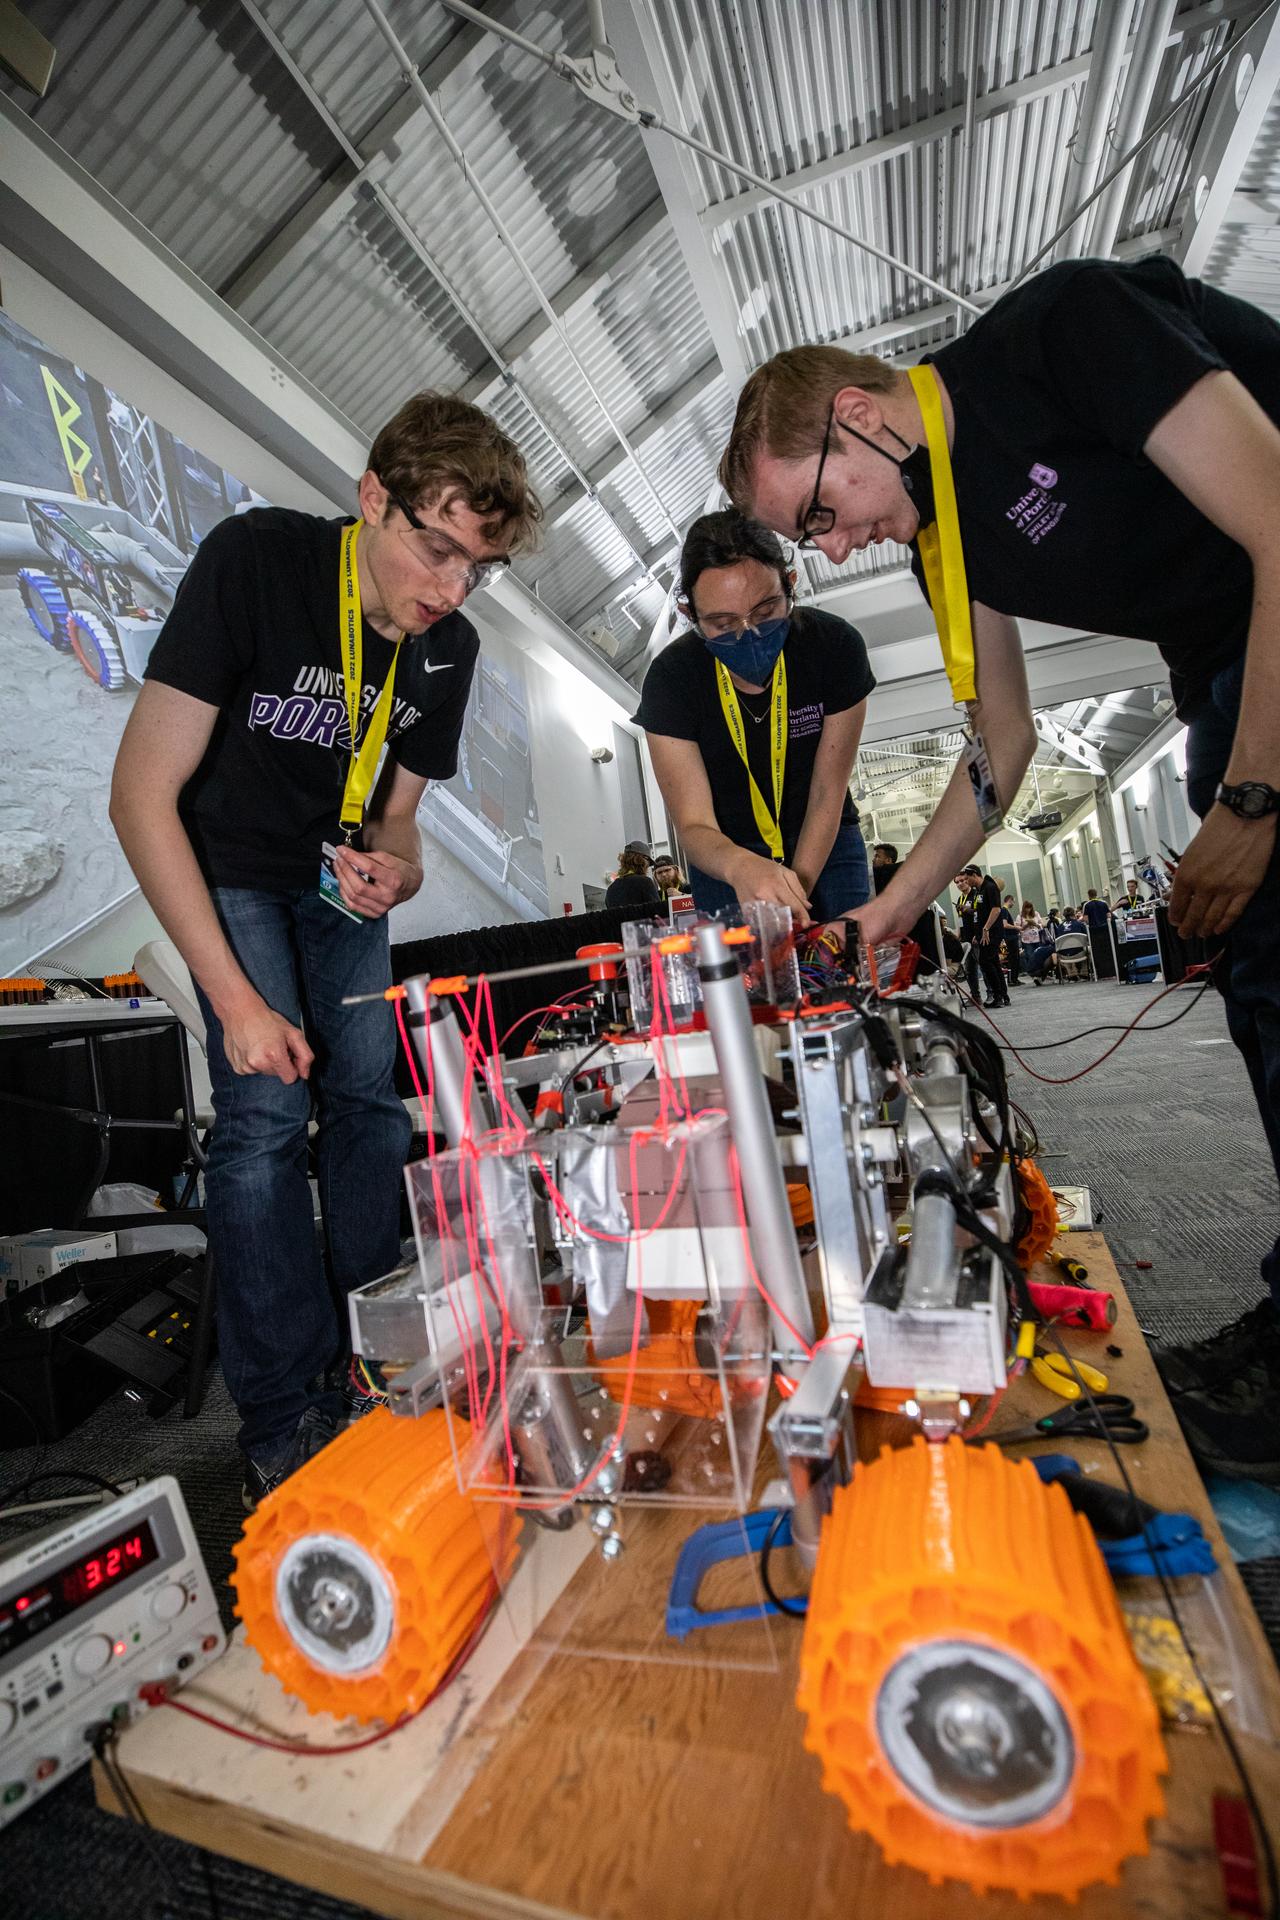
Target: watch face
<point>1254,802</point>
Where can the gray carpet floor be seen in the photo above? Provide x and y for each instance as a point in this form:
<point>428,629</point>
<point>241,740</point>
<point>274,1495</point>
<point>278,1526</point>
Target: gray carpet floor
<point>1165,1135</point>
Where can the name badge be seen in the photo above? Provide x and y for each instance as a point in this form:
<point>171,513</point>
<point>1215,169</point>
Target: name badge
<point>330,891</point>
<point>986,799</point>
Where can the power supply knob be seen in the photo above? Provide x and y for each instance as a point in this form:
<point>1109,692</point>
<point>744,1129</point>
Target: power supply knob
<point>169,1602</point>
<point>92,1655</point>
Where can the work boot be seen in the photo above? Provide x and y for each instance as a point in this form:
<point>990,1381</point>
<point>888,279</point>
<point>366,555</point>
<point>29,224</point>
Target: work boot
<point>1201,1364</point>
<point>265,1472</point>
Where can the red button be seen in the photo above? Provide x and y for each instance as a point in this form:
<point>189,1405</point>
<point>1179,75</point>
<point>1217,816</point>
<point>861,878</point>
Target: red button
<point>209,1642</point>
<point>45,1769</point>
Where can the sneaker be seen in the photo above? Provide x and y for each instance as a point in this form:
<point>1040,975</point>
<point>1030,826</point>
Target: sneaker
<point>1207,1363</point>
<point>263,1475</point>
<point>1235,1429</point>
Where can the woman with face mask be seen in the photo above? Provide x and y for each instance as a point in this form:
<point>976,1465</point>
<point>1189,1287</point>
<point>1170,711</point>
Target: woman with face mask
<point>753,719</point>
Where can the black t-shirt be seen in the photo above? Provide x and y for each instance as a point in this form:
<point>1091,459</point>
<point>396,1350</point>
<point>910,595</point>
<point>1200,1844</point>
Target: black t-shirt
<point>1097,912</point>
<point>254,631</point>
<point>633,890</point>
<point>827,672</point>
<point>1056,391</point>
<point>976,906</point>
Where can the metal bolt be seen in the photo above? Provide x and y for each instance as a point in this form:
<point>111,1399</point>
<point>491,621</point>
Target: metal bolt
<point>611,1547</point>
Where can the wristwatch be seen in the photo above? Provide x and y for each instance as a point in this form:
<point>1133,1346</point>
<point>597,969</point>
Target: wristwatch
<point>1251,800</point>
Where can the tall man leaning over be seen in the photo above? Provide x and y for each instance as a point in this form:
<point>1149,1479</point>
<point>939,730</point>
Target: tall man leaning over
<point>235,771</point>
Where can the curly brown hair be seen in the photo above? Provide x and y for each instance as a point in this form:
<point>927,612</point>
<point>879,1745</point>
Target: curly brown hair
<point>437,446</point>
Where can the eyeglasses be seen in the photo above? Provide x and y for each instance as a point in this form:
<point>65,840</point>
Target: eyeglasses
<point>443,556</point>
<point>732,626</point>
<point>818,519</point>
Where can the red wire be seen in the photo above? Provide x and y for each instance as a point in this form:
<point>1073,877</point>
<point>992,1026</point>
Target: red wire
<point>349,1746</point>
<point>574,993</point>
<point>1065,1080</point>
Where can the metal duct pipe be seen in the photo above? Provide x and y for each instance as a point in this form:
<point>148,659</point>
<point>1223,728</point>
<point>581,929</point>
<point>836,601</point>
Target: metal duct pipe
<point>437,1041</point>
<point>773,1236</point>
<point>1135,104</point>
<point>1095,118</point>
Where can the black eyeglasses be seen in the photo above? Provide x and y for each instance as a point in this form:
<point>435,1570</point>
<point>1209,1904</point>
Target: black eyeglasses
<point>444,556</point>
<point>818,519</point>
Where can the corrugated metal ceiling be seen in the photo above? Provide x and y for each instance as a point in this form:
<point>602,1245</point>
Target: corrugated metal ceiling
<point>187,114</point>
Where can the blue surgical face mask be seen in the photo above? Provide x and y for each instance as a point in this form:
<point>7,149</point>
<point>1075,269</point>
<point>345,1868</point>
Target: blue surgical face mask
<point>752,654</point>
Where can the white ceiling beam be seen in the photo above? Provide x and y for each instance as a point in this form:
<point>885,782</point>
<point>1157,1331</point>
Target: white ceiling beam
<point>912,694</point>
<point>616,463</point>
<point>939,126</point>
<point>642,58</point>
<point>1237,107</point>
<point>328,204</point>
<point>575,297</point>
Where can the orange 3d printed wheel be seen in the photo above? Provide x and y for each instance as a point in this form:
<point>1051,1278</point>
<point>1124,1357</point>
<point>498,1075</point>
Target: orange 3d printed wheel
<point>362,1578</point>
<point>1041,1231</point>
<point>969,1686</point>
<point>668,1368</point>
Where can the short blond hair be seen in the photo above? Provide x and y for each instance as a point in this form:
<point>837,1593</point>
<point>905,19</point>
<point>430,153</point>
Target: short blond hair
<point>438,444</point>
<point>784,407</point>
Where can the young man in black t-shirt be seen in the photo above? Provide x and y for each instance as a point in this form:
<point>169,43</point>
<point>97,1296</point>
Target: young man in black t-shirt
<point>237,770</point>
<point>1116,461</point>
<point>984,916</point>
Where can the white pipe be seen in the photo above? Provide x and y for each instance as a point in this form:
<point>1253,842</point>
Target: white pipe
<point>624,108</point>
<point>1095,117</point>
<point>409,72</point>
<point>1135,104</point>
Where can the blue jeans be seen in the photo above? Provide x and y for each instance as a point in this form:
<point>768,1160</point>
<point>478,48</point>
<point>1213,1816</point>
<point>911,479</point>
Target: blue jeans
<point>1248,975</point>
<point>281,1320</point>
<point>844,882</point>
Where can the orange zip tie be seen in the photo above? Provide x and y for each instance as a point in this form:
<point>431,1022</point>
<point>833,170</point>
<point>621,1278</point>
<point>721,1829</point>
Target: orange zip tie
<point>737,936</point>
<point>448,983</point>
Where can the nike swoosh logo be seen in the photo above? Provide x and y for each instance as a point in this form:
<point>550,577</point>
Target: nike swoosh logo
<point>440,666</point>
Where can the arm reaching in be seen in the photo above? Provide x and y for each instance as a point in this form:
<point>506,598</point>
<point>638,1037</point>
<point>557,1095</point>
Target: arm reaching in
<point>682,776</point>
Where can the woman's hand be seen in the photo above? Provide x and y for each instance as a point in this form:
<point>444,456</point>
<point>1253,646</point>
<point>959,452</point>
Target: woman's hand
<point>752,877</point>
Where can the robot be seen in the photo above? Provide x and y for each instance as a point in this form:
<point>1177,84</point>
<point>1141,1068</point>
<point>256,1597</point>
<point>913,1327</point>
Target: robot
<point>609,1293</point>
<point>112,637</point>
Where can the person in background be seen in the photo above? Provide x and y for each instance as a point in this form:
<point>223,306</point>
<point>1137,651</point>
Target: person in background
<point>1053,921</point>
<point>1012,943</point>
<point>984,912</point>
<point>753,719</point>
<point>1037,944</point>
<point>1096,911</point>
<point>245,798</point>
<point>1131,899</point>
<point>884,864</point>
<point>633,885</point>
<point>668,876</point>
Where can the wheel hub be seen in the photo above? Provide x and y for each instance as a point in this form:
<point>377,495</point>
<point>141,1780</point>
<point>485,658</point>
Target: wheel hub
<point>975,1734</point>
<point>334,1601</point>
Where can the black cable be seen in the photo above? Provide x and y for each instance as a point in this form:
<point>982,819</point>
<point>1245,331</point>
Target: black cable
<point>589,1055</point>
<point>1047,1046</point>
<point>789,1607</point>
<point>1228,1739</point>
<point>63,1473</point>
<point>104,1744</point>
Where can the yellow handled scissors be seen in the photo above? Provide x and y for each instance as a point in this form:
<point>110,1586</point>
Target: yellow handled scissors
<point>1055,1371</point>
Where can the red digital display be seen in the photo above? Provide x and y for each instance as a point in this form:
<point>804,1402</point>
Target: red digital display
<point>27,1615</point>
<point>113,1561</point>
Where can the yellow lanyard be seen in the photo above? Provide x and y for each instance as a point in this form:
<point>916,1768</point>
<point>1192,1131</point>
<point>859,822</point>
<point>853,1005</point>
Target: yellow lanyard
<point>770,824</point>
<point>940,547</point>
<point>364,764</point>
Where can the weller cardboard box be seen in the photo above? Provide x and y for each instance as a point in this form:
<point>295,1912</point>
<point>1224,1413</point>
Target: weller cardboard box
<point>26,1258</point>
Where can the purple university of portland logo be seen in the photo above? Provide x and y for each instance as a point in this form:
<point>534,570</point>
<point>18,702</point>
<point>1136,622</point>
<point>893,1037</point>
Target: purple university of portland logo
<point>1043,476</point>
